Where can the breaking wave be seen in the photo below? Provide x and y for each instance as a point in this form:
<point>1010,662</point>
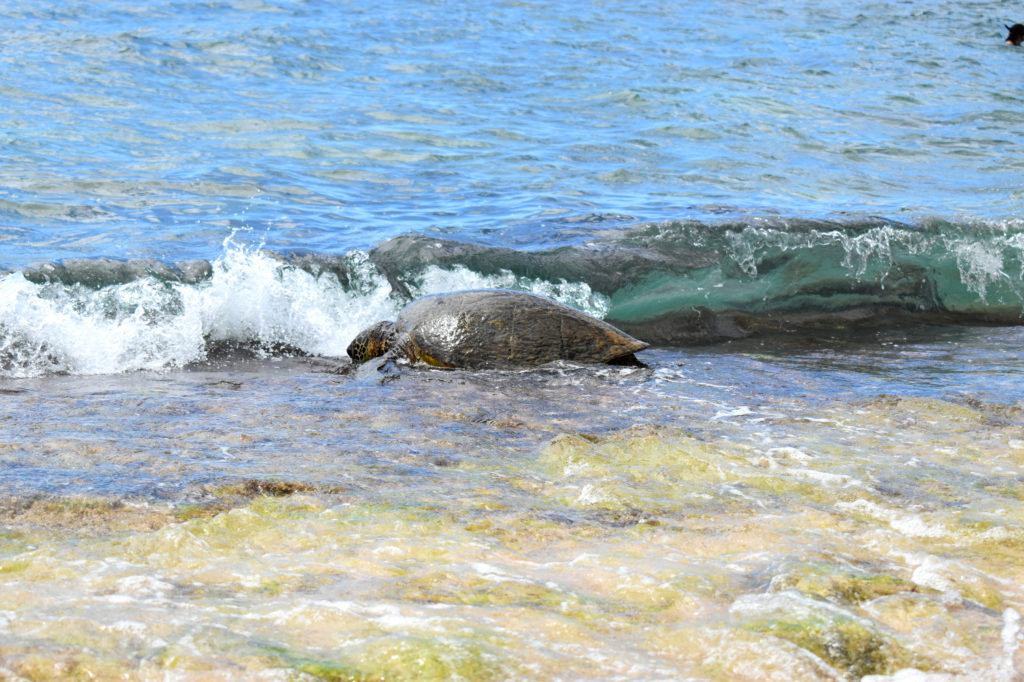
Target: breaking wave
<point>668,283</point>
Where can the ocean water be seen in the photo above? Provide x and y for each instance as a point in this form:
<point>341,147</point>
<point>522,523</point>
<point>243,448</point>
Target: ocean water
<point>811,211</point>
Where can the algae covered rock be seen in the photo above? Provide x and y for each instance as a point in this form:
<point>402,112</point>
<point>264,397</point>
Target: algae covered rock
<point>840,637</point>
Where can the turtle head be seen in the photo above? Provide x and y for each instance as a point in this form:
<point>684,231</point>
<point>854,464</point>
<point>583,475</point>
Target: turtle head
<point>372,342</point>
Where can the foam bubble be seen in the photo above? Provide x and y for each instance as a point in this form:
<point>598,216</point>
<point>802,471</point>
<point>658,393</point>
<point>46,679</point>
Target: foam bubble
<point>252,297</point>
<point>981,265</point>
<point>58,328</point>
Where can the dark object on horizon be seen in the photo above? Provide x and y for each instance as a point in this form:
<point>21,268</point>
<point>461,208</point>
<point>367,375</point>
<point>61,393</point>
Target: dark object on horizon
<point>494,328</point>
<point>1016,36</point>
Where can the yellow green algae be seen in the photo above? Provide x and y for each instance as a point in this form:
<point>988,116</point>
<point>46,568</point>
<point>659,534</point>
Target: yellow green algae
<point>645,553</point>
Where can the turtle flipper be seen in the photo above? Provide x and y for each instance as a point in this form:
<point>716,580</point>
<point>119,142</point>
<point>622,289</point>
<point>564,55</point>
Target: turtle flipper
<point>383,369</point>
<point>402,349</point>
<point>627,361</point>
<point>402,346</point>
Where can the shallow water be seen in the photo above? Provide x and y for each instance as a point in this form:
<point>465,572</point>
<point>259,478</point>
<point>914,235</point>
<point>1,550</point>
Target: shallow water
<point>727,513</point>
<point>811,210</point>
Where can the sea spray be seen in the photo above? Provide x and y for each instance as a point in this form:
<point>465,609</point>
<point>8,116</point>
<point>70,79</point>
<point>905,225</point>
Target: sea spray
<point>48,328</point>
<point>106,316</point>
<point>249,299</point>
<point>254,299</point>
<point>674,283</point>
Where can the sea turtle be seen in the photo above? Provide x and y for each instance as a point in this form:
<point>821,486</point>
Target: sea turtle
<point>494,328</point>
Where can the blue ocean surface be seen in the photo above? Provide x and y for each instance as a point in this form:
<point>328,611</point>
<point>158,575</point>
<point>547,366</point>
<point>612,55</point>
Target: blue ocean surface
<point>812,211</point>
<point>708,172</point>
<point>152,129</point>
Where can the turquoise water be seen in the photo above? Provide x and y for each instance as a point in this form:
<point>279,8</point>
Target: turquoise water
<point>812,211</point>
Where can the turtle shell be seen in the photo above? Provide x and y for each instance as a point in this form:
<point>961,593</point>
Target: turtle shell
<point>498,328</point>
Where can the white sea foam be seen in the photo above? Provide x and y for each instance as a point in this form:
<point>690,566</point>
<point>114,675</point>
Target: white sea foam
<point>143,586</point>
<point>911,675</point>
<point>790,453</point>
<point>1011,635</point>
<point>791,604</point>
<point>741,411</point>
<point>826,478</point>
<point>149,324</point>
<point>74,329</point>
<point>910,524</point>
<point>1000,670</point>
<point>251,298</point>
<point>980,266</point>
<point>914,525</point>
<point>591,494</point>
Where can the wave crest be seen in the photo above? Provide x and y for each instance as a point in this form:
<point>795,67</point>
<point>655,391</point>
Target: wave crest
<point>667,283</point>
